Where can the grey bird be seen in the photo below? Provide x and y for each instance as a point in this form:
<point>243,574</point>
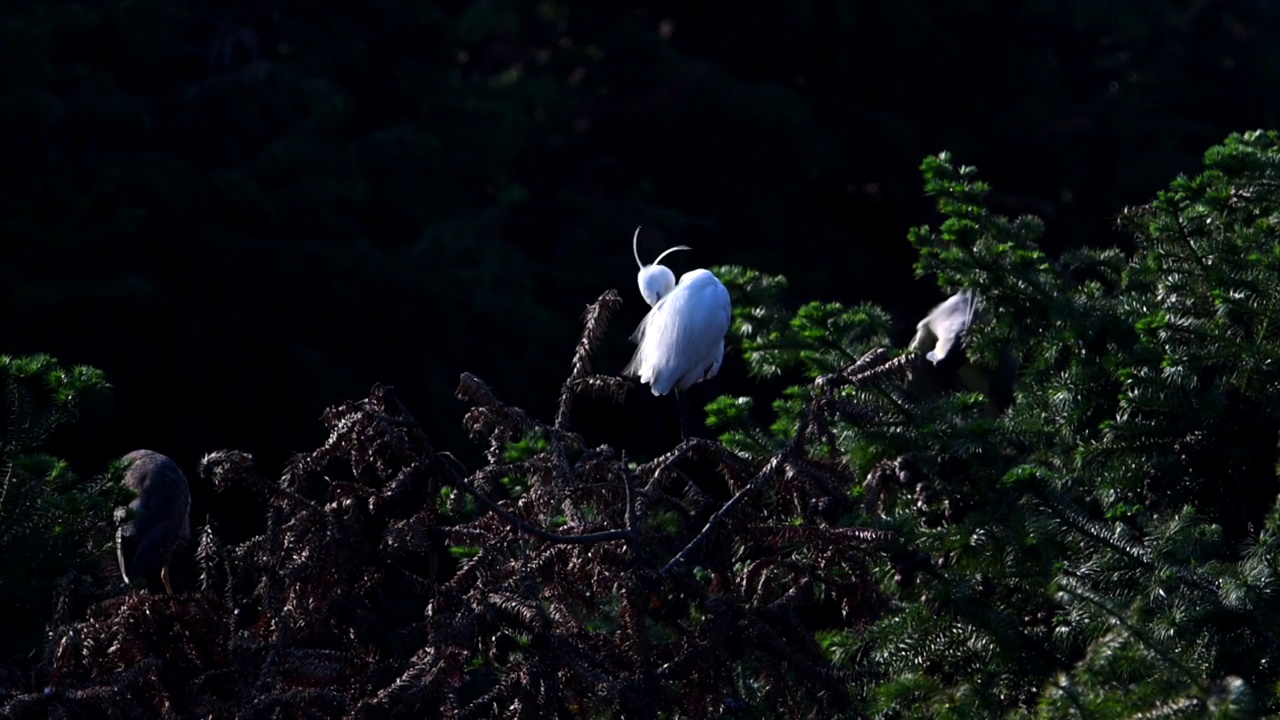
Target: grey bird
<point>941,336</point>
<point>158,519</point>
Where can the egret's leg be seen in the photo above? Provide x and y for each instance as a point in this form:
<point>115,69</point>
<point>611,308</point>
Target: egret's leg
<point>682,402</point>
<point>164,577</point>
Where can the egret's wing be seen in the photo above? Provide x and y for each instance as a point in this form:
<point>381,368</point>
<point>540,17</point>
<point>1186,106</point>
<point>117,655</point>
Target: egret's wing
<point>638,335</point>
<point>633,366</point>
<point>683,335</point>
<point>948,322</point>
<point>715,366</point>
<point>720,296</point>
<point>709,316</point>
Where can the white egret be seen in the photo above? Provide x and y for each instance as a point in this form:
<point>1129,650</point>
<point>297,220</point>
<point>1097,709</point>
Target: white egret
<point>945,326</point>
<point>681,340</point>
<point>942,336</point>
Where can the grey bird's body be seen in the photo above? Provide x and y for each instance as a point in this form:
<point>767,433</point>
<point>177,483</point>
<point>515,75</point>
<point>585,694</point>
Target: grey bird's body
<point>157,520</point>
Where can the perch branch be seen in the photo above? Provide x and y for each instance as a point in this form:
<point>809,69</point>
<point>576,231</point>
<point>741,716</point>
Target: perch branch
<point>459,481</point>
<point>710,527</point>
<point>603,536</point>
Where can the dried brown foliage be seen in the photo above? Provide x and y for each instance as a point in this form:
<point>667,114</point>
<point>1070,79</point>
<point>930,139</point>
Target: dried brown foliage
<point>388,582</point>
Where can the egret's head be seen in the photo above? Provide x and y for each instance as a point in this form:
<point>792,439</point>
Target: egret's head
<point>655,280</point>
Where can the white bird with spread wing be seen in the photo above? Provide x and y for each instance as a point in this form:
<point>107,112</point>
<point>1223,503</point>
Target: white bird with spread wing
<point>945,326</point>
<point>681,340</point>
<point>943,338</point>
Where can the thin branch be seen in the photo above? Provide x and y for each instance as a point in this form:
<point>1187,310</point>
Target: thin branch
<point>459,481</point>
<point>757,481</point>
<point>604,536</point>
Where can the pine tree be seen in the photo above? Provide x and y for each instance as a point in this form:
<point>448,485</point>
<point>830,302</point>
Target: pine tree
<point>51,521</point>
<point>1106,547</point>
<point>1103,547</point>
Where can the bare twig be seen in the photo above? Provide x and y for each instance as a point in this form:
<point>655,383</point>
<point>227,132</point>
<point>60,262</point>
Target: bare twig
<point>768,472</point>
<point>604,536</point>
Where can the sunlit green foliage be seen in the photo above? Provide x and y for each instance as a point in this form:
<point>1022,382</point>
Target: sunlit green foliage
<point>313,180</point>
<point>1106,547</point>
<point>51,520</point>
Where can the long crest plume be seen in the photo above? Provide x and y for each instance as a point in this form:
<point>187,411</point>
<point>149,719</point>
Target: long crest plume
<point>635,249</point>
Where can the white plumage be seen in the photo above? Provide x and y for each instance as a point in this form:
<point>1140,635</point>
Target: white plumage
<point>681,340</point>
<point>942,336</point>
<point>945,326</point>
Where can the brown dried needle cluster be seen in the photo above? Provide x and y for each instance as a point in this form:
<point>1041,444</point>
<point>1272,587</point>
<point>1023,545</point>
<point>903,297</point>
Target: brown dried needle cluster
<point>571,583</point>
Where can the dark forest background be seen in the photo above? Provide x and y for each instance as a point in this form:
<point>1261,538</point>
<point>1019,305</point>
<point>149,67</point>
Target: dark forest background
<point>244,212</point>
